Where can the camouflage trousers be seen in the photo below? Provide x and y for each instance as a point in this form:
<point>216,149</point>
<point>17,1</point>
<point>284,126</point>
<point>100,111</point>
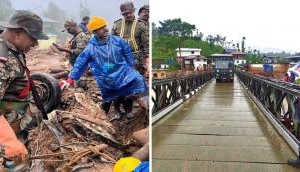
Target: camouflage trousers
<point>140,65</point>
<point>26,119</point>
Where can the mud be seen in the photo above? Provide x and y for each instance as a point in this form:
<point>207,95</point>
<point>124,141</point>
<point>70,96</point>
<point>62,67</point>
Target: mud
<point>81,125</point>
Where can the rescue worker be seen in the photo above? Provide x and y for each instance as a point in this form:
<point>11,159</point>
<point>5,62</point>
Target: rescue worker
<point>17,114</point>
<point>83,24</point>
<point>135,32</point>
<point>112,64</point>
<point>77,43</point>
<point>144,14</point>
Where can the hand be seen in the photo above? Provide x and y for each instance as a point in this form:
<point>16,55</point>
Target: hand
<point>59,48</point>
<point>65,83</point>
<point>70,81</point>
<point>14,149</point>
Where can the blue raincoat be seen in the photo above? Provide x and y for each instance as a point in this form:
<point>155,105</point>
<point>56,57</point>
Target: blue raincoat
<point>112,65</point>
<point>143,167</point>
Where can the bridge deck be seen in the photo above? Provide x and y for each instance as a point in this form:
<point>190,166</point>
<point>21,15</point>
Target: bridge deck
<point>219,129</point>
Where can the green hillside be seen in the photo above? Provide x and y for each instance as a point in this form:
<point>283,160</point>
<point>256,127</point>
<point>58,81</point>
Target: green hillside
<point>163,47</point>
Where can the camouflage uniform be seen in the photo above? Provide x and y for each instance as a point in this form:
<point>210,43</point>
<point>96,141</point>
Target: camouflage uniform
<point>144,7</point>
<point>136,33</point>
<point>14,80</point>
<point>78,43</point>
<point>13,105</point>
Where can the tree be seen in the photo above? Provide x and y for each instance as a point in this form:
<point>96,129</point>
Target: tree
<point>55,13</point>
<point>223,41</point>
<point>218,39</point>
<point>84,11</point>
<point>176,27</point>
<point>5,9</point>
<point>201,36</point>
<point>243,44</point>
<point>210,39</point>
<point>154,30</point>
<point>238,46</point>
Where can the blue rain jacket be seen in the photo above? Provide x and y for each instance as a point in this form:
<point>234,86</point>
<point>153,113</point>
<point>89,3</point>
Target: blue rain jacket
<point>143,167</point>
<point>112,65</point>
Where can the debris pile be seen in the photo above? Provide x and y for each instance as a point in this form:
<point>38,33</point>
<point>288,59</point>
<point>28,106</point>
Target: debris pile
<point>79,135</point>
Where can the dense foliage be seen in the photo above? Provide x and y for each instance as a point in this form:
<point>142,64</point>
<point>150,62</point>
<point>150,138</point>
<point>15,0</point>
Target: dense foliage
<point>163,47</point>
<point>174,33</point>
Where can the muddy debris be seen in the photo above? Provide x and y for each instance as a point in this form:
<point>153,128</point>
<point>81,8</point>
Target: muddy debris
<point>79,136</point>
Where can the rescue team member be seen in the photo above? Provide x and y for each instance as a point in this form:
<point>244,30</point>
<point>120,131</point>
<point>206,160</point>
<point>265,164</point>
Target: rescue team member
<point>112,64</point>
<point>144,14</point>
<point>78,42</point>
<point>83,24</point>
<point>17,114</point>
<point>135,32</point>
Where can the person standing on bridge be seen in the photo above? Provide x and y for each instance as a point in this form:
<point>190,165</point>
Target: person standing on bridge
<point>112,64</point>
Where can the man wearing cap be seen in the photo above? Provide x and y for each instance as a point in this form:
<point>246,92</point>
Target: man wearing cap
<point>17,114</point>
<point>112,64</point>
<point>135,32</point>
<point>78,42</point>
<point>144,13</point>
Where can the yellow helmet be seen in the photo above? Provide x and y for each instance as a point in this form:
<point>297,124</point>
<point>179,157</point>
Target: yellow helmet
<point>127,164</point>
<point>96,22</point>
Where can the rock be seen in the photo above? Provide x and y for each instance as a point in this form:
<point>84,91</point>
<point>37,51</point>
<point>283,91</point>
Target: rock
<point>142,136</point>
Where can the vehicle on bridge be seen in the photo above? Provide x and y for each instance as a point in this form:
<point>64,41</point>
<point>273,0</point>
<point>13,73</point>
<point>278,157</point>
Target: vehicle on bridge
<point>224,67</point>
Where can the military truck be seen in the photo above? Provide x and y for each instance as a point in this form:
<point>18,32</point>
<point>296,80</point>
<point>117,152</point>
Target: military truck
<point>224,67</point>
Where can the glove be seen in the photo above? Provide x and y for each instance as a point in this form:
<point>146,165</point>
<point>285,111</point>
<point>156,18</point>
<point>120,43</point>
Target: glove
<point>65,83</point>
<point>14,149</point>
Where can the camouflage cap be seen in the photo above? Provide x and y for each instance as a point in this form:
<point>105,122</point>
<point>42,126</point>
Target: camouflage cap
<point>68,24</point>
<point>127,7</point>
<point>144,7</point>
<point>27,20</point>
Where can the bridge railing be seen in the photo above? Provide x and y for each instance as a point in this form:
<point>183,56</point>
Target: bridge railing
<point>166,92</point>
<point>279,99</point>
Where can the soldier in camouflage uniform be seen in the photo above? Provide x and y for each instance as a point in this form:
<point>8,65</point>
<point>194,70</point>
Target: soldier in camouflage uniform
<point>78,42</point>
<point>135,32</point>
<point>144,13</point>
<point>20,34</point>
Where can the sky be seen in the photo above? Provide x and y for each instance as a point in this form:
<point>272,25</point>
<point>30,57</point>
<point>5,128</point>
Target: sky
<point>269,26</point>
<point>108,9</point>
